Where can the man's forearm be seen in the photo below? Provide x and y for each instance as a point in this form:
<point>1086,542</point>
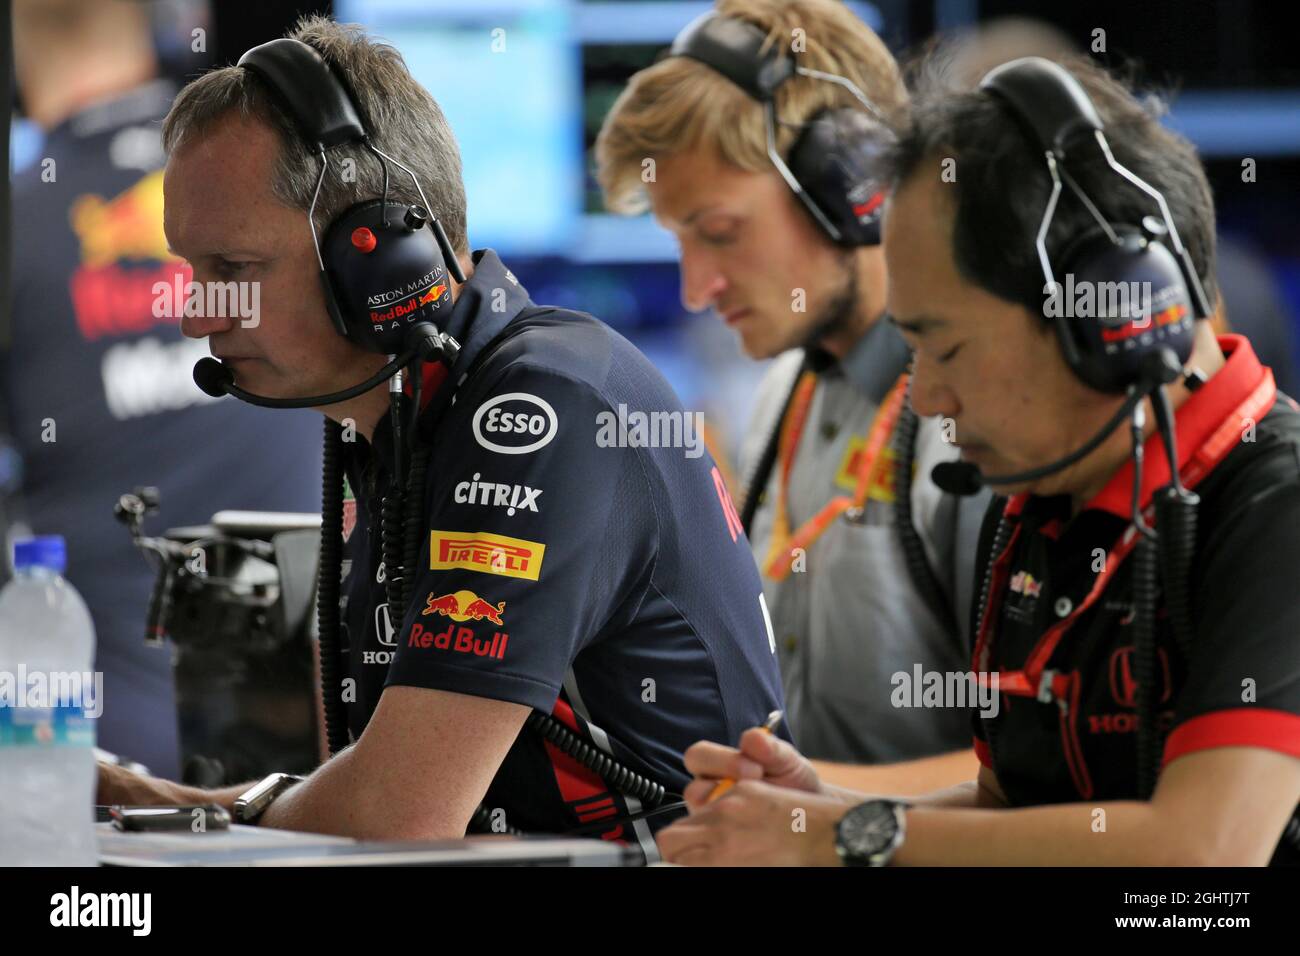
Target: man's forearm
<point>313,806</point>
<point>923,778</point>
<point>318,804</point>
<point>155,791</point>
<point>969,795</point>
<point>1120,833</point>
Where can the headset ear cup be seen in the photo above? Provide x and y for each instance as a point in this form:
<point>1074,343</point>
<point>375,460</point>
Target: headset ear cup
<point>838,159</point>
<point>1119,302</point>
<point>386,273</point>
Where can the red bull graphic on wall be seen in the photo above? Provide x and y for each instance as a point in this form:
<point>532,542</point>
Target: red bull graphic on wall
<point>123,255</point>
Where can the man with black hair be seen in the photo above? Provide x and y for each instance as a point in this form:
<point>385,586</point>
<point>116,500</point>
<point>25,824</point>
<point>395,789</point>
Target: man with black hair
<point>1056,623</point>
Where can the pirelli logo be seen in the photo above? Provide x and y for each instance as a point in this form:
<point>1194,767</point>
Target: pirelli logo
<point>489,553</point>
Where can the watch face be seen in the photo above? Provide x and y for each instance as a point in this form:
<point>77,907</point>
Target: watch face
<point>869,829</point>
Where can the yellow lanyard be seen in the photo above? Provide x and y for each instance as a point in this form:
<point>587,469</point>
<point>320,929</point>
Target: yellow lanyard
<point>780,555</point>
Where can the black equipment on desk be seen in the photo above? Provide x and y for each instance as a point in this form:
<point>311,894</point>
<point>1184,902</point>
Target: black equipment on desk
<point>233,597</point>
<point>199,818</point>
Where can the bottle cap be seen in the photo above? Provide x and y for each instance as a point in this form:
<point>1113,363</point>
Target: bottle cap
<point>44,551</point>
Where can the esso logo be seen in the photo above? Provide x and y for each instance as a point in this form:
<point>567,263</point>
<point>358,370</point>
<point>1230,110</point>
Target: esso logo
<point>515,424</point>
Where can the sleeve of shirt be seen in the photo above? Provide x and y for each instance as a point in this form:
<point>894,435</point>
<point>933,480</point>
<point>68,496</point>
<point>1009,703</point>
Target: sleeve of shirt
<point>537,537</point>
<point>1243,680</point>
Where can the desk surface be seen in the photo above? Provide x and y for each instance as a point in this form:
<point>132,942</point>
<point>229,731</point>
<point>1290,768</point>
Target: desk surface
<point>257,846</point>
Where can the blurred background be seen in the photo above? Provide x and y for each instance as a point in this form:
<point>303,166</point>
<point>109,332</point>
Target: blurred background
<point>525,85</point>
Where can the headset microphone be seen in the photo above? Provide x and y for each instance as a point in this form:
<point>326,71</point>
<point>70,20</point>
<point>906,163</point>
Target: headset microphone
<point>1157,369</point>
<point>957,478</point>
<point>424,343</point>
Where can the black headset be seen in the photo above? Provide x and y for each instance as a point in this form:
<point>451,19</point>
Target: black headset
<point>381,270</point>
<point>836,169</point>
<point>1135,351</point>
<point>835,165</point>
<point>1110,352</point>
<point>385,282</point>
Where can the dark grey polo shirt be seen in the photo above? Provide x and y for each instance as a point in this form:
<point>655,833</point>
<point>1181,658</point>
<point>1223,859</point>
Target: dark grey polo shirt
<point>853,618</point>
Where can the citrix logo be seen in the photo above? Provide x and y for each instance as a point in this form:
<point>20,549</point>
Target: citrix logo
<point>511,497</point>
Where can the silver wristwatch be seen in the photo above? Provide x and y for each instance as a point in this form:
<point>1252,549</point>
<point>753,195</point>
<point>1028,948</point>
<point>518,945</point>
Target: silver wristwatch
<point>252,803</point>
<point>870,833</point>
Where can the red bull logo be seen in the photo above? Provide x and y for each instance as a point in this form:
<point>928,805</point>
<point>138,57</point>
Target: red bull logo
<point>433,294</point>
<point>1024,583</point>
<point>128,226</point>
<point>123,258</point>
<point>465,606</point>
<point>398,311</point>
<point>864,209</point>
<point>459,640</point>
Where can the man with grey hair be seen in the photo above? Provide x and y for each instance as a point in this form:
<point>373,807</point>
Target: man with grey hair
<point>602,584</point>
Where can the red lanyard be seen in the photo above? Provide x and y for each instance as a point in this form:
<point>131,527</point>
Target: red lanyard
<point>780,554</point>
<point>1029,680</point>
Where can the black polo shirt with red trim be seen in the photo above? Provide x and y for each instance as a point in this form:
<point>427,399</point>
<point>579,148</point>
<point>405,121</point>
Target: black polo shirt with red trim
<point>1059,624</point>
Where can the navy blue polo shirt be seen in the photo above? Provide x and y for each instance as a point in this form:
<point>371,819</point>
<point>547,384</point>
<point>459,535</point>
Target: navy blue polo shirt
<point>1240,683</point>
<point>581,556</point>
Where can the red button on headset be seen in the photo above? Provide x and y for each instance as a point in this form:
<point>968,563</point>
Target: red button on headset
<point>363,239</point>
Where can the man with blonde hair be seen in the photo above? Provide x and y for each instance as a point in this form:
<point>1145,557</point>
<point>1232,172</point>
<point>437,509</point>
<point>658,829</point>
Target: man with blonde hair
<point>756,144</point>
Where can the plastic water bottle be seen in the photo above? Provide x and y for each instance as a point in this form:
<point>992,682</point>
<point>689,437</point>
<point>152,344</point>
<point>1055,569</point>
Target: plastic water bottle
<point>48,702</point>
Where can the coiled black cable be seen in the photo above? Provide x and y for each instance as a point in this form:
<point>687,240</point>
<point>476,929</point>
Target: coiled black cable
<point>1176,519</point>
<point>414,523</point>
<point>1001,538</point>
<point>391,548</point>
<point>619,777</point>
<point>1146,593</point>
<point>328,574</point>
<point>924,579</point>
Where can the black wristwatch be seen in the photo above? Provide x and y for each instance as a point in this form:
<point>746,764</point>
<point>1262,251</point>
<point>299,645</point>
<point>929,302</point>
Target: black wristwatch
<point>870,833</point>
<point>250,804</point>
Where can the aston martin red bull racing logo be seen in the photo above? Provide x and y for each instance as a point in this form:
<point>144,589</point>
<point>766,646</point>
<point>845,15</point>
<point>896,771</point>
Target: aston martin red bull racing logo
<point>464,606</point>
<point>410,304</point>
<point>1165,317</point>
